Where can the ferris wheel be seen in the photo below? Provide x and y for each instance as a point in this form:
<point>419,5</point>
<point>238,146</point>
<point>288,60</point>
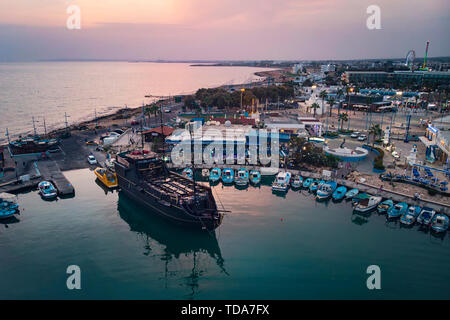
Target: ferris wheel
<point>410,57</point>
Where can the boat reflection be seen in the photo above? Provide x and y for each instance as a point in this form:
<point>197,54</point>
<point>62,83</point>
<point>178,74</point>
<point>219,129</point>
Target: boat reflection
<point>178,243</point>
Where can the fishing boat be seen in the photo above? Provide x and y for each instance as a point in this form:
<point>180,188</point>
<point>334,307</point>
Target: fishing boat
<point>255,177</point>
<point>205,173</point>
<point>8,205</point>
<point>367,205</point>
<point>426,216</point>
<point>144,177</point>
<point>32,145</point>
<point>360,196</point>
<point>107,177</point>
<point>188,173</point>
<point>326,190</point>
<point>227,176</point>
<point>439,223</point>
<point>296,181</point>
<point>282,181</point>
<point>410,217</point>
<point>241,177</point>
<point>307,183</point>
<point>315,185</point>
<point>351,193</point>
<point>397,210</point>
<point>339,194</point>
<point>385,206</point>
<point>47,190</point>
<point>214,175</point>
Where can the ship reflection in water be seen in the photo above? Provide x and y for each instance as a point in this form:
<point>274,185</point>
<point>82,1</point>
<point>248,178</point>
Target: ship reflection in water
<point>199,246</point>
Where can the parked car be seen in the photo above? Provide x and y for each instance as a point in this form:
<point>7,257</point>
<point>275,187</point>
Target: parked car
<point>395,155</point>
<point>91,159</point>
<point>91,143</point>
<point>355,135</point>
<point>362,137</point>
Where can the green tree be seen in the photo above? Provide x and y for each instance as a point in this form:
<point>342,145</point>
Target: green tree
<point>331,102</point>
<point>323,95</point>
<point>315,106</point>
<point>376,131</point>
<point>343,117</point>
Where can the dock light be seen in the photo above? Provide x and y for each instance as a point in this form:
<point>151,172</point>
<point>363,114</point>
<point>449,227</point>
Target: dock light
<point>313,87</point>
<point>351,89</point>
<point>399,93</point>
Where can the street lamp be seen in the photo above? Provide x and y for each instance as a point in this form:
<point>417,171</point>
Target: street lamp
<point>242,92</point>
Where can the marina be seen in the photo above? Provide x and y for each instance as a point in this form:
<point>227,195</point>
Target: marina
<point>139,255</point>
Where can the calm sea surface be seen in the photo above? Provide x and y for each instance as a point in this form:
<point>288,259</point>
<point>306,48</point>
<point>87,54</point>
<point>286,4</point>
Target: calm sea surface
<point>269,247</point>
<point>48,89</point>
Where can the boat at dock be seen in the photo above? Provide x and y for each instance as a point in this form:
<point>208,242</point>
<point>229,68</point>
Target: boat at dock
<point>410,216</point>
<point>367,205</point>
<point>255,177</point>
<point>426,216</point>
<point>397,210</point>
<point>214,175</point>
<point>339,193</point>
<point>360,196</point>
<point>440,222</point>
<point>227,176</point>
<point>47,190</point>
<point>385,206</point>
<point>296,181</point>
<point>315,185</point>
<point>188,173</point>
<point>8,205</point>
<point>326,190</point>
<point>241,177</point>
<point>106,177</point>
<point>307,182</point>
<point>352,193</point>
<point>145,178</point>
<point>282,182</point>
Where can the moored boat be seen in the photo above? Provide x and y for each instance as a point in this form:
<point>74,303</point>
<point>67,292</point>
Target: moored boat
<point>307,182</point>
<point>227,176</point>
<point>351,193</point>
<point>359,197</point>
<point>214,175</point>
<point>367,205</point>
<point>339,193</point>
<point>188,173</point>
<point>326,190</point>
<point>241,177</point>
<point>397,210</point>
<point>426,216</point>
<point>296,181</point>
<point>145,178</point>
<point>385,206</point>
<point>440,223</point>
<point>107,177</point>
<point>255,177</point>
<point>47,190</point>
<point>8,205</point>
<point>410,216</point>
<point>282,181</point>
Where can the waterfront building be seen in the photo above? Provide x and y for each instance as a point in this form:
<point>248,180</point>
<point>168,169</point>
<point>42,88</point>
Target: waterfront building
<point>437,141</point>
<point>371,77</point>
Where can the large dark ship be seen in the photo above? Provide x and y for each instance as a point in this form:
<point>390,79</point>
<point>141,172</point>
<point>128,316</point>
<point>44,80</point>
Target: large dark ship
<point>31,145</point>
<point>145,178</point>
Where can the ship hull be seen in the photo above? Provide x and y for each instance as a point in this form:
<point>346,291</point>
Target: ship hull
<point>173,213</point>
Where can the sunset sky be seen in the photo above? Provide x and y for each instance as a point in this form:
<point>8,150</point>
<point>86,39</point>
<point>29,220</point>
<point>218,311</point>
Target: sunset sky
<point>226,29</point>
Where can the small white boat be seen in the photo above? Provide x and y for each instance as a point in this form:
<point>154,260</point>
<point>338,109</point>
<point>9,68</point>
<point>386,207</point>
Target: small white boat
<point>367,205</point>
<point>282,181</point>
<point>269,171</point>
<point>47,190</point>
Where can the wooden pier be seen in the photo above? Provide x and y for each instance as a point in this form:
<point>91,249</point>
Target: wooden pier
<point>50,171</point>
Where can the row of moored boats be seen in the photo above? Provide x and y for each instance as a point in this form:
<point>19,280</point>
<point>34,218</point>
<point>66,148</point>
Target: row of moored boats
<point>241,177</point>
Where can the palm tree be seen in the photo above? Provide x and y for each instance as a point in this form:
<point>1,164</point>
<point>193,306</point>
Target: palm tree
<point>331,102</point>
<point>323,95</point>
<point>376,131</point>
<point>343,117</point>
<point>315,106</point>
